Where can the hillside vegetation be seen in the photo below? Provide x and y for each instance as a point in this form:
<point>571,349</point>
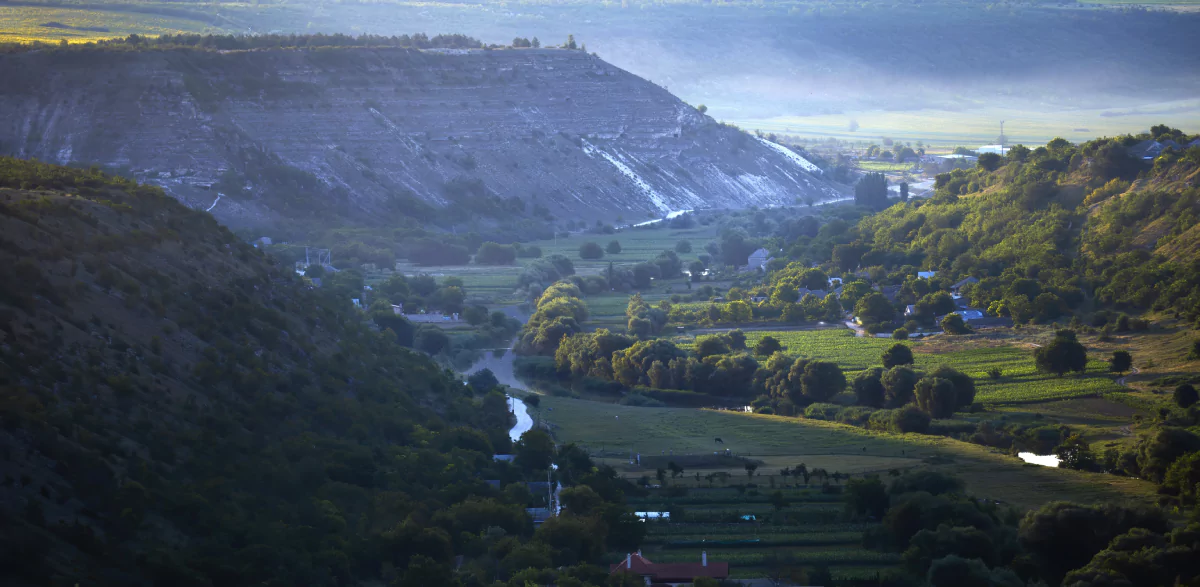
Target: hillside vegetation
<point>178,409</point>
<point>1059,230</point>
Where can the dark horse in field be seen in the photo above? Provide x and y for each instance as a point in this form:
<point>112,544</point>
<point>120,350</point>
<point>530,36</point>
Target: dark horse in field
<point>718,441</point>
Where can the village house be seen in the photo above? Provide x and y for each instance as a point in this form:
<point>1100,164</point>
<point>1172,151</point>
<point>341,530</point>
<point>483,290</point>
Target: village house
<point>757,260</point>
<point>889,291</point>
<point>1151,149</point>
<point>820,293</point>
<point>957,288</point>
<point>947,163</point>
<point>673,574</point>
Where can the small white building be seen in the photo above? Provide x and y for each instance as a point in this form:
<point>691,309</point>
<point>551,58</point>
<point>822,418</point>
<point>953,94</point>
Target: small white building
<point>758,259</point>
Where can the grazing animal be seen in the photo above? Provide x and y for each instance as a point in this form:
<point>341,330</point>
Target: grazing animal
<point>718,440</point>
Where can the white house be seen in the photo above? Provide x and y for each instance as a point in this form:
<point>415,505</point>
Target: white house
<point>969,315</point>
<point>758,260</point>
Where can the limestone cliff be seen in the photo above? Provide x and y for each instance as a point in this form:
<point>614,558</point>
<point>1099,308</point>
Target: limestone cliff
<point>368,135</point>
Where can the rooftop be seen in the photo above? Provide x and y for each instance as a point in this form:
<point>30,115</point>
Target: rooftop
<point>669,572</point>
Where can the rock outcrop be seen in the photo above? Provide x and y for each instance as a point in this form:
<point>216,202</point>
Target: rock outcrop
<point>369,135</point>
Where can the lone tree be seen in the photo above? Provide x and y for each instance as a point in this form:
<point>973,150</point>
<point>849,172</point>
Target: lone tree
<point>898,354</point>
<point>683,246</point>
<point>613,247</point>
<point>1121,362</point>
<point>1064,354</point>
<point>767,346</point>
<point>1186,395</point>
<point>750,469</point>
<point>590,250</point>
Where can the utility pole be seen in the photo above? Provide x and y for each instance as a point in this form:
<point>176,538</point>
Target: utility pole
<point>1002,138</point>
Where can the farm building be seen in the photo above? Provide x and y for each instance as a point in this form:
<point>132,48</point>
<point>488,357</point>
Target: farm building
<point>675,574</point>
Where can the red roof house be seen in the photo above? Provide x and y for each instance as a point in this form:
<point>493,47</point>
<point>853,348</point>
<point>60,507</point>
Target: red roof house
<point>670,573</point>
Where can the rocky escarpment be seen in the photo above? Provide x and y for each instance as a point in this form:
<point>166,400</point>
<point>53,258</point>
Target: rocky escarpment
<point>373,134</point>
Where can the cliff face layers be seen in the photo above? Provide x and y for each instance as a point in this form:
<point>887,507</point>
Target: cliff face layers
<point>368,135</point>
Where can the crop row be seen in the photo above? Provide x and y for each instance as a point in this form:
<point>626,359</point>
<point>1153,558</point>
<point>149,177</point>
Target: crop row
<point>829,556</point>
<point>733,531</point>
<point>841,573</point>
<point>704,497</point>
<point>807,516</point>
<point>758,542</point>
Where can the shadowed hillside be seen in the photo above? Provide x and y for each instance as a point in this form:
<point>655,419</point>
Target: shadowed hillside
<point>177,409</point>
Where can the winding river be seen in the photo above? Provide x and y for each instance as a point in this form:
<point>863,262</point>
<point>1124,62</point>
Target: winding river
<point>500,361</point>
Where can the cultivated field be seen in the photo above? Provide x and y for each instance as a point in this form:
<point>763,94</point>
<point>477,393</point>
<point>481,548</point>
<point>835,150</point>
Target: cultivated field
<point>616,431</point>
<point>23,24</point>
<point>974,355</point>
<point>883,166</point>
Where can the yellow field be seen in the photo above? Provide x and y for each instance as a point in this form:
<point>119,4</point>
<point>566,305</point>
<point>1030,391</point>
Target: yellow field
<point>24,24</point>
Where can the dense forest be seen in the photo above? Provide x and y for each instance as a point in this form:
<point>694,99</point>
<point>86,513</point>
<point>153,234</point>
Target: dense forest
<point>179,409</point>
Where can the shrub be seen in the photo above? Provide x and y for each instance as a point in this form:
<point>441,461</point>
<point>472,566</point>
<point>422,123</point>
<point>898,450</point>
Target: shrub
<point>822,411</point>
<point>495,254</point>
<point>995,373</point>
<point>1121,361</point>
<point>855,415</point>
<point>897,354</point>
<point>910,419</point>
<point>953,323</point>
<point>1186,395</point>
<point>880,420</point>
<point>900,334</point>
<point>528,251</point>
<point>613,247</point>
<point>767,346</point>
<point>936,396</point>
<point>590,250</point>
<point>639,400</point>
